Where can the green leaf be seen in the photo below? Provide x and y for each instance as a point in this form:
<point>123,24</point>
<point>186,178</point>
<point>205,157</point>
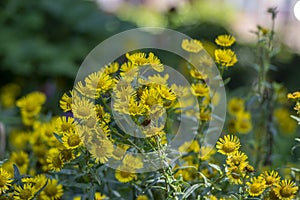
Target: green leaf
<point>17,175</point>
<point>190,190</point>
<point>216,167</point>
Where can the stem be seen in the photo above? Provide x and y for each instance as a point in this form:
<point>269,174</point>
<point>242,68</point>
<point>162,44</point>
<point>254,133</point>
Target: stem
<point>2,140</point>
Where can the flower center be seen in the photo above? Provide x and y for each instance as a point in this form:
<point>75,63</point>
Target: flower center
<point>25,194</point>
<point>73,140</point>
<point>51,190</point>
<point>2,181</point>
<point>228,147</point>
<point>255,188</point>
<point>285,191</point>
<point>270,180</point>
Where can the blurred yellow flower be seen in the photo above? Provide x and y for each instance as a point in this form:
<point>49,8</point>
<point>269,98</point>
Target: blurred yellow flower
<point>193,46</point>
<point>200,89</point>
<point>235,105</point>
<point>53,191</point>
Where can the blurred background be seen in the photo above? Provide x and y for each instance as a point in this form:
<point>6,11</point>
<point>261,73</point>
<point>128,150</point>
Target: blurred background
<point>44,42</point>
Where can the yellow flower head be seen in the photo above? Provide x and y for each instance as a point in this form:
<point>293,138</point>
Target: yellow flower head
<point>21,159</point>
<point>225,57</point>
<point>235,175</point>
<point>243,122</point>
<point>228,145</point>
<point>5,181</point>
<point>111,68</point>
<point>200,89</point>
<point>102,150</point>
<point>26,192</point>
<point>235,105</point>
<point>54,160</point>
<point>256,187</point>
<point>53,190</point>
<point>71,139</point>
<point>198,74</point>
<point>237,159</point>
<point>271,177</point>
<point>132,162</point>
<point>83,108</point>
<point>65,102</point>
<point>225,40</point>
<point>142,197</point>
<point>193,46</point>
<point>294,95</point>
<point>124,175</point>
<point>285,189</point>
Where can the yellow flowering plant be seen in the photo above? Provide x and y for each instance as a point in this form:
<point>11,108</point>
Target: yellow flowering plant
<point>118,123</point>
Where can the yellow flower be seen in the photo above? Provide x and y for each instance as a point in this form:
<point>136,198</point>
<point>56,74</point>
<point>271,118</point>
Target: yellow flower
<point>124,174</point>
<point>285,189</point>
<point>65,102</point>
<point>19,139</point>
<point>111,68</point>
<point>30,106</point>
<point>102,116</point>
<point>71,140</point>
<point>205,152</point>
<point>99,196</point>
<point>285,122</point>
<point>237,159</point>
<point>190,147</point>
<point>8,94</point>
<point>99,83</point>
<point>26,192</point>
<point>200,89</point>
<point>64,124</point>
<point>132,162</point>
<point>225,57</point>
<point>142,197</point>
<point>225,40</point>
<point>166,93</point>
<point>83,108</point>
<point>5,181</point>
<point>256,187</point>
<point>228,145</point>
<point>198,74</point>
<point>140,59</point>
<point>243,123</point>
<point>53,191</point>
<point>271,177</point>
<point>135,107</point>
<point>193,46</point>
<point>85,91</point>
<point>235,105</point>
<point>294,95</point>
<point>155,79</point>
<point>54,160</point>
<point>102,150</point>
<point>151,97</point>
<point>21,159</point>
<point>235,175</point>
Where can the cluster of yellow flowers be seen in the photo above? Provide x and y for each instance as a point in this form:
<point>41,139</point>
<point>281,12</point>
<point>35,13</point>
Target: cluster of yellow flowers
<point>241,119</point>
<point>240,172</point>
<point>49,148</point>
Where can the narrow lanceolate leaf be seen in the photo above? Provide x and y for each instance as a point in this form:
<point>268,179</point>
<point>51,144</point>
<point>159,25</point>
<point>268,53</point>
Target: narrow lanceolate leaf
<point>17,176</point>
<point>191,189</point>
